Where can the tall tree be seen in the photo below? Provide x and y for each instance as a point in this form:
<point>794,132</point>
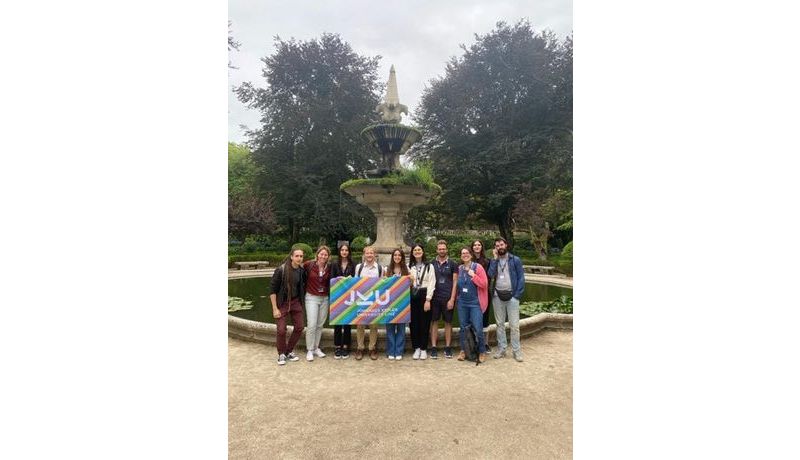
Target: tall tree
<point>232,45</point>
<point>500,117</point>
<point>320,94</point>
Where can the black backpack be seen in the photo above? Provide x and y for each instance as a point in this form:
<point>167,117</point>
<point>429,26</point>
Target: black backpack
<point>472,345</point>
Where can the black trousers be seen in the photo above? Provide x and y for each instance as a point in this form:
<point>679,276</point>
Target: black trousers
<point>342,336</point>
<point>420,321</point>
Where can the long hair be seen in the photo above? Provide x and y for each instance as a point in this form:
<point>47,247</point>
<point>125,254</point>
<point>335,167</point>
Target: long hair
<point>349,258</point>
<point>402,265</point>
<point>412,259</point>
<point>288,274</point>
<point>480,257</point>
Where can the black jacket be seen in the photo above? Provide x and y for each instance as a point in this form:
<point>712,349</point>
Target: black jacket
<point>282,291</point>
<point>336,270</point>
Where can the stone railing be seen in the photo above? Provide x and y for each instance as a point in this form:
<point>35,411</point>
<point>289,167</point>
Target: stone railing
<point>266,333</point>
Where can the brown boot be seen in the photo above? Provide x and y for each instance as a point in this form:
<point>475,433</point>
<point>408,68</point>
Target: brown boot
<point>373,354</point>
<point>482,357</point>
<point>462,355</point>
<point>359,354</point>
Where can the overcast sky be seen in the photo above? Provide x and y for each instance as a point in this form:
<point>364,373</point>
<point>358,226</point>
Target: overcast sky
<point>418,37</point>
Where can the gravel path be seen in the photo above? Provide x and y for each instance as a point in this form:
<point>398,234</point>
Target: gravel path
<point>407,409</point>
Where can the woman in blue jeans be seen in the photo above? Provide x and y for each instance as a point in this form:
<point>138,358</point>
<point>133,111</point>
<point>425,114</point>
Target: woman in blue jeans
<point>471,303</point>
<point>396,333</point>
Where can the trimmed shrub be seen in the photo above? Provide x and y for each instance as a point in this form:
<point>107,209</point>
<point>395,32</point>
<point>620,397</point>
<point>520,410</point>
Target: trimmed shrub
<point>358,243</point>
<point>566,253</point>
<point>251,245</point>
<point>308,251</point>
<point>565,261</point>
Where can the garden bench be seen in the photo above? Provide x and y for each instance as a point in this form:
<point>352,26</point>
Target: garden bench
<point>253,264</point>
<point>539,269</point>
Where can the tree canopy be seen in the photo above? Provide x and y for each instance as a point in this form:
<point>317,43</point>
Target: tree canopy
<point>319,95</point>
<point>500,118</point>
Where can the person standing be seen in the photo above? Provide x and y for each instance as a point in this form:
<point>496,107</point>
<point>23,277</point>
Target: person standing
<point>318,274</point>
<point>478,256</point>
<point>443,300</point>
<point>369,268</point>
<point>342,335</point>
<point>509,284</point>
<point>288,289</point>
<point>424,283</point>
<point>471,302</point>
<point>396,332</point>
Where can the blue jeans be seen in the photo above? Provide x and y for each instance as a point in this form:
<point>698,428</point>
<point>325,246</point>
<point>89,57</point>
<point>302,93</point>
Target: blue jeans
<point>395,339</point>
<point>317,312</point>
<point>502,309</point>
<point>471,314</point>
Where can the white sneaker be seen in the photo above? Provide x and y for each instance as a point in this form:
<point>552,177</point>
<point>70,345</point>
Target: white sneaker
<point>398,357</point>
<point>391,358</point>
<point>416,353</point>
<point>423,354</point>
<point>319,353</point>
<point>310,356</point>
<point>281,359</point>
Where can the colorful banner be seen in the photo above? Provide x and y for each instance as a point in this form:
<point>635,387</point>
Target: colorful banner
<point>360,300</point>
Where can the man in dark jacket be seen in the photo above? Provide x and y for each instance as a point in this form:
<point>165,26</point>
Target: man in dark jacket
<point>506,271</point>
<point>288,290</point>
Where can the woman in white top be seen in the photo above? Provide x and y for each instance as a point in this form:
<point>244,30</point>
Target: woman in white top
<point>423,277</point>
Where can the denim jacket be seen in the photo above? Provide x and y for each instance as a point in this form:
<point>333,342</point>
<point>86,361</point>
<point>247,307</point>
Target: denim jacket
<point>515,271</point>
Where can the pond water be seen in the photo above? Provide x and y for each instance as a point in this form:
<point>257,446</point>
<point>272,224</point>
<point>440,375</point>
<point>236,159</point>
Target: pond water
<point>257,290</point>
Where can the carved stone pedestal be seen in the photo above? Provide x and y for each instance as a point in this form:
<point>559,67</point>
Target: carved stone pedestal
<point>390,205</point>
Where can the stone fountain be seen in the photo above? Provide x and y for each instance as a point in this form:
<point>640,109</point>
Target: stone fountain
<point>389,200</point>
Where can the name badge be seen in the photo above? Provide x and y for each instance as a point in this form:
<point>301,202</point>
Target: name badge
<point>502,276</point>
<point>464,290</point>
<point>320,290</point>
<point>441,280</point>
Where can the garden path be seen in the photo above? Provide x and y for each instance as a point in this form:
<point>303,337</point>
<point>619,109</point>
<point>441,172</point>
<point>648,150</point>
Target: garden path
<point>407,409</point>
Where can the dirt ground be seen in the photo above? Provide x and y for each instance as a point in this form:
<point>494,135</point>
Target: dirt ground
<point>408,409</point>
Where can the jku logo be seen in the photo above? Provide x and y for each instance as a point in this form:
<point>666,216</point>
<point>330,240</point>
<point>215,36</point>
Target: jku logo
<point>365,300</point>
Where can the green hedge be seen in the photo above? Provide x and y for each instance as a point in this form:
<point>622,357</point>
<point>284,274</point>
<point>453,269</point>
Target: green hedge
<point>358,244</point>
<point>273,257</point>
<point>308,251</point>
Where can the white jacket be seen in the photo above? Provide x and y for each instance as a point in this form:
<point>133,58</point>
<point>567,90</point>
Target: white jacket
<point>428,281</point>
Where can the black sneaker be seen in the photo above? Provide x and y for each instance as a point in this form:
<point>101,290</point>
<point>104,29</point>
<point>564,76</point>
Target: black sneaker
<point>337,354</point>
<point>448,352</point>
<point>434,353</point>
<point>345,353</point>
<point>292,357</point>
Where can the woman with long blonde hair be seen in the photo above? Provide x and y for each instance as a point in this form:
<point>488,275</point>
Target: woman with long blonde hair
<point>318,274</point>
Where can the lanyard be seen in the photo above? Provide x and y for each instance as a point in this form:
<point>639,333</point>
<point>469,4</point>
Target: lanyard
<point>502,266</point>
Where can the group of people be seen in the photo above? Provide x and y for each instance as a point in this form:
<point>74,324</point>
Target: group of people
<point>438,287</point>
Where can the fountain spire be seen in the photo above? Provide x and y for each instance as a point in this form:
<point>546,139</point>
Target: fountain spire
<point>391,108</point>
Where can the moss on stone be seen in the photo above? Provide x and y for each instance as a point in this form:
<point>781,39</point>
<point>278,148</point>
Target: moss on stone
<point>413,177</point>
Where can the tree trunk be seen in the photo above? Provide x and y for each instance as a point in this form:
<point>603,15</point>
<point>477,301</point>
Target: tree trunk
<point>294,231</point>
<point>539,243</point>
<point>505,229</point>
